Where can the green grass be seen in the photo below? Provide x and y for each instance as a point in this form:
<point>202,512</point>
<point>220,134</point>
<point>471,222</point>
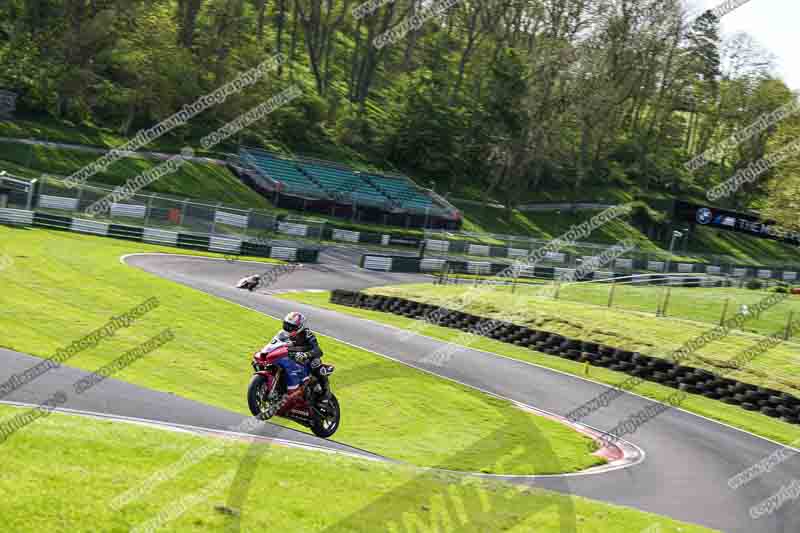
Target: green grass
<point>608,193</point>
<point>202,181</point>
<point>60,286</point>
<point>478,278</point>
<point>544,225</point>
<point>214,183</point>
<point>622,329</point>
<point>46,461</point>
<point>49,129</point>
<point>696,304</point>
<point>636,328</point>
<point>740,248</point>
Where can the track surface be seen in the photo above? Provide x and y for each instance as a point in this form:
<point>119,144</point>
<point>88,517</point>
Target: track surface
<point>123,399</point>
<point>688,461</point>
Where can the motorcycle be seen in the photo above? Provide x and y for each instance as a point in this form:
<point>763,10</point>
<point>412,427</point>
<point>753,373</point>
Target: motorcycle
<point>249,283</point>
<point>267,390</point>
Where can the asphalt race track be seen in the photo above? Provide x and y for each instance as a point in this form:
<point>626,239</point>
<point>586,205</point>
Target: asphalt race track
<point>688,459</point>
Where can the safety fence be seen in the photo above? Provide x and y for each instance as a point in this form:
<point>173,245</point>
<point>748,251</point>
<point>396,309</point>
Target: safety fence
<point>618,267</point>
<point>193,241</point>
<point>373,238</point>
<point>771,402</point>
<point>508,248</point>
<point>182,215</point>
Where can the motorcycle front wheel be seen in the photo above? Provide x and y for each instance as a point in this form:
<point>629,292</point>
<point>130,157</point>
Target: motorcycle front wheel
<point>258,399</point>
<point>325,418</point>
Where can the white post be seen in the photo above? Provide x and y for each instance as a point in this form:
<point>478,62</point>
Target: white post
<point>214,220</point>
<point>29,202</point>
<point>80,195</point>
<point>147,208</point>
<point>183,214</point>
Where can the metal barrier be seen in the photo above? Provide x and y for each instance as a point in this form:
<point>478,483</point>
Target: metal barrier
<point>195,241</point>
<point>461,247</point>
<point>540,270</point>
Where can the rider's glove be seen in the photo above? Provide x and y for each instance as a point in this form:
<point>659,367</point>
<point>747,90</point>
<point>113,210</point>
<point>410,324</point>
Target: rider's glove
<point>301,357</point>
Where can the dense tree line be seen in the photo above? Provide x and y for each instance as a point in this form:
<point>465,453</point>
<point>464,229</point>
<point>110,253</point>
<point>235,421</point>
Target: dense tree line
<point>505,96</point>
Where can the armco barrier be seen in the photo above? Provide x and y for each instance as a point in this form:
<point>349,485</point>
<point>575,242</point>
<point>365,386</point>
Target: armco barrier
<point>414,264</point>
<point>121,231</point>
<point>18,217</point>
<point>193,241</point>
<point>366,237</point>
<point>377,262</point>
<point>486,268</point>
<point>770,402</point>
<point>436,248</point>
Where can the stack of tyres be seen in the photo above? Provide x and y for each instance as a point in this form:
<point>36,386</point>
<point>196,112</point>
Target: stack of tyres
<point>691,380</point>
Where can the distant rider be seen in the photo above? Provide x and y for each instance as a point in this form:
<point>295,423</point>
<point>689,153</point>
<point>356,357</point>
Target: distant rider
<point>304,350</point>
<point>250,282</point>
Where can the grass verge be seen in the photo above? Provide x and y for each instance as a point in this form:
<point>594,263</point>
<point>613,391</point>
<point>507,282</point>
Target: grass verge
<point>580,312</point>
<point>59,286</point>
<point>201,181</point>
<point>750,421</point>
<point>44,462</point>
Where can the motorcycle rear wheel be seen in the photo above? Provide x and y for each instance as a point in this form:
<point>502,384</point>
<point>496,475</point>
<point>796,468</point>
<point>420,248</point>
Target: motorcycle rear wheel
<point>325,418</point>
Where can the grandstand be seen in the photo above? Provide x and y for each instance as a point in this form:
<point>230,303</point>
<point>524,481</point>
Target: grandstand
<point>327,187</point>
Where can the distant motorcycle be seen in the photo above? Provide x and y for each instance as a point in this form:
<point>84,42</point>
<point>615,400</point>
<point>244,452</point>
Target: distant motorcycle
<point>267,390</point>
<point>249,283</point>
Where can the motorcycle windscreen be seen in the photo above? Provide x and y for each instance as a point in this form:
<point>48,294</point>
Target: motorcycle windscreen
<point>280,339</point>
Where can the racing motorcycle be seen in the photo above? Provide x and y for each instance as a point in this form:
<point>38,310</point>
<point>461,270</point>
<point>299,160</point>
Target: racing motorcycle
<point>249,283</point>
<point>267,390</point>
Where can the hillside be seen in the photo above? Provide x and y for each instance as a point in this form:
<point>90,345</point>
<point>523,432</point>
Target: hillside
<point>214,183</point>
<point>484,100</point>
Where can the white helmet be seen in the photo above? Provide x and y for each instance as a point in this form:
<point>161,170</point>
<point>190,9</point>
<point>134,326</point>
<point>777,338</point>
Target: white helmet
<point>294,323</point>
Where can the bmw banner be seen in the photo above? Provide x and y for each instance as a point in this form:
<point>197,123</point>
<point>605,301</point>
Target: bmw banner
<point>724,219</point>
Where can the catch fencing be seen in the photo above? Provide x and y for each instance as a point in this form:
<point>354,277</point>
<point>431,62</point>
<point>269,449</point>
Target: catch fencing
<point>161,219</point>
<point>464,249</point>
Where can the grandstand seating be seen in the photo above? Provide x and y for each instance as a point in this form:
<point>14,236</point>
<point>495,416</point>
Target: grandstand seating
<point>286,172</point>
<point>402,191</point>
<point>338,180</point>
<point>323,180</point>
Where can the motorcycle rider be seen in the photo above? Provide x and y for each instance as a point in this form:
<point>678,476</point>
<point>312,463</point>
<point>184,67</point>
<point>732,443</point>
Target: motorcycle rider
<point>250,282</point>
<point>304,350</point>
